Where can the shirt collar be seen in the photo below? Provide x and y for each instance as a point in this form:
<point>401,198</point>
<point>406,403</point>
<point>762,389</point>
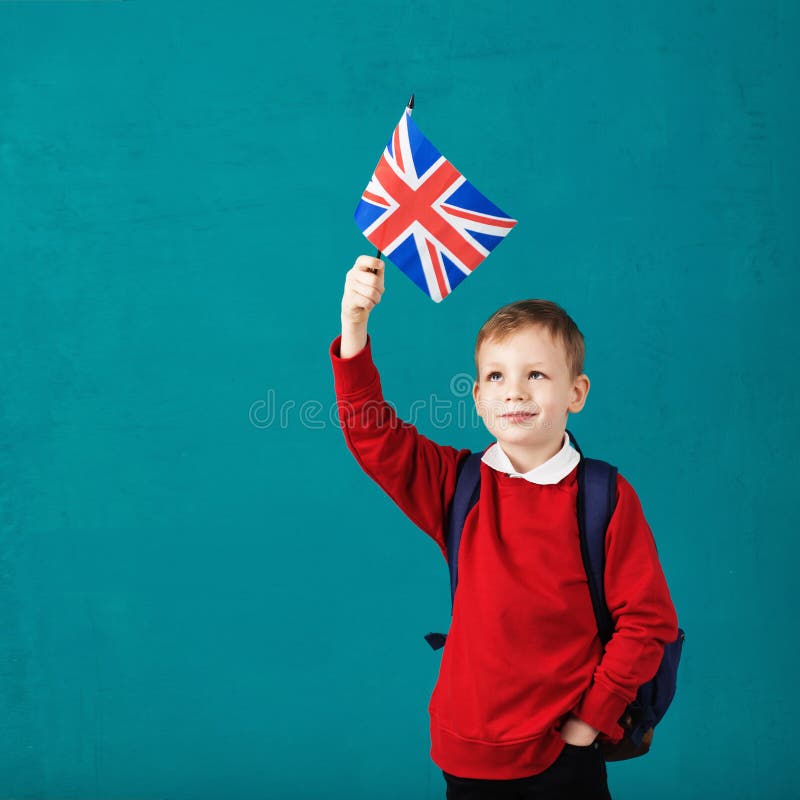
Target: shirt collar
<point>553,470</point>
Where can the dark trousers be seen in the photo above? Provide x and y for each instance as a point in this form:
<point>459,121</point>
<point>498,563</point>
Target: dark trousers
<point>579,773</point>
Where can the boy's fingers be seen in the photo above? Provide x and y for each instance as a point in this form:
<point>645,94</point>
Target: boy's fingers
<point>369,263</point>
<point>368,281</point>
<point>367,294</point>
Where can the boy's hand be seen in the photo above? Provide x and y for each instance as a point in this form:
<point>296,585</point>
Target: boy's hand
<point>576,731</point>
<point>362,290</point>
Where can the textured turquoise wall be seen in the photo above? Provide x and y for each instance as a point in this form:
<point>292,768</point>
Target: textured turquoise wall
<point>196,602</point>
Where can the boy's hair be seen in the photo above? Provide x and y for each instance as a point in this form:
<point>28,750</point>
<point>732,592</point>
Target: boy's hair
<point>544,313</point>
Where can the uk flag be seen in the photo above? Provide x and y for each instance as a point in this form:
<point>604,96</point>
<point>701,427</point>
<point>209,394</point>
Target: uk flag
<point>421,212</point>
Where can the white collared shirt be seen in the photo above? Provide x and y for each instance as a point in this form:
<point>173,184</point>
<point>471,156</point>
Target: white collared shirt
<point>551,471</point>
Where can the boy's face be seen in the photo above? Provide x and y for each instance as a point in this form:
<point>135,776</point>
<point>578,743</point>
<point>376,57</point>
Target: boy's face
<point>525,391</point>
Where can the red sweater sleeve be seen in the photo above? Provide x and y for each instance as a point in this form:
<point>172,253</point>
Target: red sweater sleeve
<point>644,617</point>
<point>417,474</point>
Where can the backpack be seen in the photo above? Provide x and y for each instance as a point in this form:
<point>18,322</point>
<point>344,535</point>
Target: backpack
<point>597,481</point>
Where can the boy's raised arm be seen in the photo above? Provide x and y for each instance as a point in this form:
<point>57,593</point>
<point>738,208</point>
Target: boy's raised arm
<point>418,474</point>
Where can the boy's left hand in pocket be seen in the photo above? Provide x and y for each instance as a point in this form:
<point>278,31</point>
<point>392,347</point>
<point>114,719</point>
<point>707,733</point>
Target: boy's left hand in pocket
<point>576,731</point>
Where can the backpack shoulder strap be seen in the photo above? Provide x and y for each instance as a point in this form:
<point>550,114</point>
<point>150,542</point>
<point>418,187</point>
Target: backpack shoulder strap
<point>597,498</point>
<point>468,488</point>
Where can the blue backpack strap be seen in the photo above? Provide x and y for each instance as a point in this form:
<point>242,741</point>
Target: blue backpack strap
<point>597,498</point>
<point>468,488</point>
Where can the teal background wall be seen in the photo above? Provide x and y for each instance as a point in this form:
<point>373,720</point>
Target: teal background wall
<point>196,602</point>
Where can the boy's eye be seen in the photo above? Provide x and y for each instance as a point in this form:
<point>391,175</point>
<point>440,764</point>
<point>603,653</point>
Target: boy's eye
<point>490,376</point>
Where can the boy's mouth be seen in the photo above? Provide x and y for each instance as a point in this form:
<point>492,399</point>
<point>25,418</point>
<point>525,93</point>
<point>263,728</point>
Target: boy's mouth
<point>519,416</point>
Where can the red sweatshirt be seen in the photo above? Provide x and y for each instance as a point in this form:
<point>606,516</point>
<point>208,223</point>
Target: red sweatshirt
<point>523,650</point>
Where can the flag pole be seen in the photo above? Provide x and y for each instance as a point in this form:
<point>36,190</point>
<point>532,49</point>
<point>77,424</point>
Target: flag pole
<point>378,254</point>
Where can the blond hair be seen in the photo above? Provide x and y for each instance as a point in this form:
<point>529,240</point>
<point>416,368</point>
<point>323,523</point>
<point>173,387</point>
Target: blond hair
<point>543,313</point>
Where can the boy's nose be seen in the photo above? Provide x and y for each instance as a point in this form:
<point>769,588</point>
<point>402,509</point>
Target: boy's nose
<point>516,393</point>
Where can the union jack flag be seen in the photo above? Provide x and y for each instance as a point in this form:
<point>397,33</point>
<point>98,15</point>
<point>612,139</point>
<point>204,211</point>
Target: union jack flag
<point>421,212</point>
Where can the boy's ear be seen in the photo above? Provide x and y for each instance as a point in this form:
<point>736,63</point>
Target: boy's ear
<point>578,394</point>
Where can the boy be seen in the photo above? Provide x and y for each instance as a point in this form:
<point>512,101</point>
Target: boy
<point>524,687</point>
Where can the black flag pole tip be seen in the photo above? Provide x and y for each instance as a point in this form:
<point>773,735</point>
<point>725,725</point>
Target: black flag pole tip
<point>379,256</point>
<point>411,101</point>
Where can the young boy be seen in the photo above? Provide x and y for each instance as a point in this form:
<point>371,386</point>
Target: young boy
<point>524,687</point>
